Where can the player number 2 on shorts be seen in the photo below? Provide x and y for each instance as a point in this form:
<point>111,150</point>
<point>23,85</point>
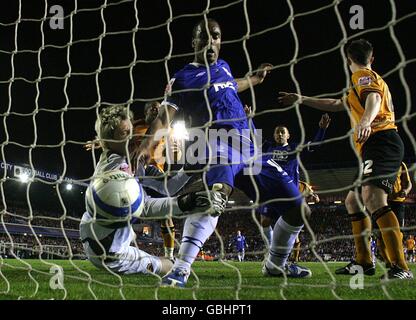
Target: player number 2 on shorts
<point>367,166</point>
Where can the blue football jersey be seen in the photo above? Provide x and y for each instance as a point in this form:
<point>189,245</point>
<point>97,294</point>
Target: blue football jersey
<point>186,92</point>
<point>240,242</point>
<point>285,156</point>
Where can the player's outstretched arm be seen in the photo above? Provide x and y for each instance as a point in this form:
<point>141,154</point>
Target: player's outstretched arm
<point>202,202</point>
<point>323,104</point>
<point>255,79</point>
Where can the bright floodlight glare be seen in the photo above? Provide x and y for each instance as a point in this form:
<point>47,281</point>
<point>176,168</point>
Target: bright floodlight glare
<point>179,131</point>
<point>24,177</point>
<point>69,186</point>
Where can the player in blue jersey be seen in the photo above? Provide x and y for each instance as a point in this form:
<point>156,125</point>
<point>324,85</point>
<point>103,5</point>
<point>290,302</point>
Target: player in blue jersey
<point>206,92</point>
<point>285,155</point>
<point>240,244</point>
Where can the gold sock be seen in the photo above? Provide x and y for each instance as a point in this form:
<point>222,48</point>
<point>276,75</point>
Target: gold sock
<point>361,228</point>
<point>381,247</point>
<point>296,251</point>
<point>168,235</point>
<point>392,236</point>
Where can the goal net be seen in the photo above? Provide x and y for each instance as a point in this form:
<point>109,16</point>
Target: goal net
<point>62,61</point>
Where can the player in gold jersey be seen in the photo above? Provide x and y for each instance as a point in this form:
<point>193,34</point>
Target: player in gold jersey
<point>381,150</point>
<point>401,189</point>
<point>410,248</point>
<point>151,110</point>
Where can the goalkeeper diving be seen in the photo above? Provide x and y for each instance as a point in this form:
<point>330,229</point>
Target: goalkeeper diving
<point>109,243</point>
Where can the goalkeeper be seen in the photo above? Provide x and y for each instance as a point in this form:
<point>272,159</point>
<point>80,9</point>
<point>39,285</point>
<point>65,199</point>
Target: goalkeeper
<point>107,243</point>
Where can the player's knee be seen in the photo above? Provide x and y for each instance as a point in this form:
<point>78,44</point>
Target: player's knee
<point>351,203</point>
<point>374,198</point>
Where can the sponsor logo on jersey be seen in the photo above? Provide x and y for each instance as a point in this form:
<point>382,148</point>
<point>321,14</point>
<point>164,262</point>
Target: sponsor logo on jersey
<point>223,85</point>
<point>280,155</point>
<point>364,81</point>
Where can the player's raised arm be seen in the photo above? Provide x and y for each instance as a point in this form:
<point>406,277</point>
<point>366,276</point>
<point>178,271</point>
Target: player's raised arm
<point>406,181</point>
<point>323,104</point>
<point>255,79</point>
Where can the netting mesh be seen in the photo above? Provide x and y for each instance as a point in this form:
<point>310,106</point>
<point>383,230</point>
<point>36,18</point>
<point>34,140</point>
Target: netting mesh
<point>61,62</point>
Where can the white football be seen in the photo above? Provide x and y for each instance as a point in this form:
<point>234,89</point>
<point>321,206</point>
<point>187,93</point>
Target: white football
<point>114,195</point>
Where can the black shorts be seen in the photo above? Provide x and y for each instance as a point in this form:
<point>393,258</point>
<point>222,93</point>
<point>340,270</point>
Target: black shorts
<point>382,156</point>
<point>410,252</point>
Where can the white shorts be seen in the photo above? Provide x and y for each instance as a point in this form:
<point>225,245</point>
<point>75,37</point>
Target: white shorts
<point>128,261</point>
<point>123,257</point>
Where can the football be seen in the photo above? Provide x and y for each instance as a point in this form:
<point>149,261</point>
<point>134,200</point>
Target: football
<point>115,195</point>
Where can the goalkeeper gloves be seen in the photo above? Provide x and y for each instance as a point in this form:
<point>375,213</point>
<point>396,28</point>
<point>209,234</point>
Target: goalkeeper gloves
<point>211,202</point>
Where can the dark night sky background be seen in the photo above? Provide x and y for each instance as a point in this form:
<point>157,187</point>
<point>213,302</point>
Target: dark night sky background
<point>316,32</point>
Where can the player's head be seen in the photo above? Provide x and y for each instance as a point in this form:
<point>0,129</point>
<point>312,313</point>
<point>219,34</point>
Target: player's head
<point>206,41</point>
<point>114,123</point>
<point>360,52</point>
<point>238,233</point>
<point>151,110</point>
<point>281,135</point>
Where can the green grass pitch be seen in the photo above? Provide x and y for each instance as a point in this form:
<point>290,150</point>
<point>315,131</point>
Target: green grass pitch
<point>30,279</point>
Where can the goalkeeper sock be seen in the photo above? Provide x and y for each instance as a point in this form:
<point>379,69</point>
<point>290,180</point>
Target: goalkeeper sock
<point>284,237</point>
<point>196,231</point>
<point>268,233</point>
<point>392,237</point>
<point>361,227</point>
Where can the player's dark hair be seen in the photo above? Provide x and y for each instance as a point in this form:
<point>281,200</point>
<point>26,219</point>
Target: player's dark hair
<point>360,51</point>
<point>281,126</point>
<point>201,23</point>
